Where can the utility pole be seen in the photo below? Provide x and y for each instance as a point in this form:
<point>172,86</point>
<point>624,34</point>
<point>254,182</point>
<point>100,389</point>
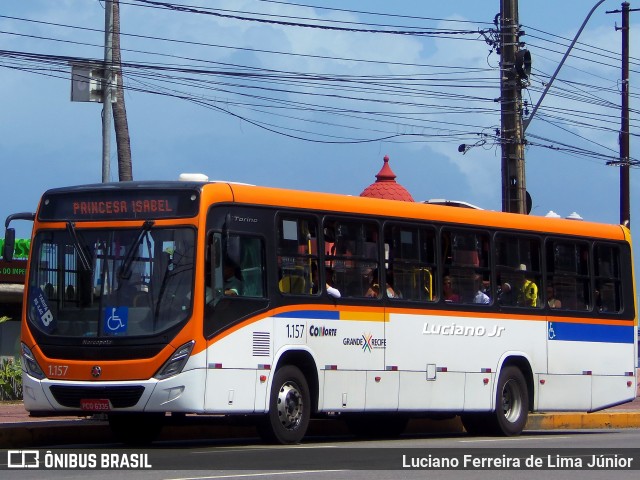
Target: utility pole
<point>625,156</point>
<point>106,90</point>
<point>625,203</point>
<point>514,188</point>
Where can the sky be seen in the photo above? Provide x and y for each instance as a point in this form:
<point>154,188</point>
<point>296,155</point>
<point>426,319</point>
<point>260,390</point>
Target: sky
<point>277,103</point>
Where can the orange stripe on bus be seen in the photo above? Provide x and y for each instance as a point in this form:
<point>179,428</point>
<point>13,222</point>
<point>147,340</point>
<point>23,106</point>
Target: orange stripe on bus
<point>377,314</point>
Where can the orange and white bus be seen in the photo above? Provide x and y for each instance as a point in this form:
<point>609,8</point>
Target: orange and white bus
<point>198,297</point>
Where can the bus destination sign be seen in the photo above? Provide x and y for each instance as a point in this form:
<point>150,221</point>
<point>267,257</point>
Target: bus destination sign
<point>119,205</point>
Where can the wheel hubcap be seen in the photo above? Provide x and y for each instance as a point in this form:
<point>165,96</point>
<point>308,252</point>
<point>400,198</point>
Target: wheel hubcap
<point>290,406</point>
<point>511,401</point>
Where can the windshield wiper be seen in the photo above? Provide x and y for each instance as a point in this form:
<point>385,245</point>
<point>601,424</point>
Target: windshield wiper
<point>79,247</point>
<point>125,269</point>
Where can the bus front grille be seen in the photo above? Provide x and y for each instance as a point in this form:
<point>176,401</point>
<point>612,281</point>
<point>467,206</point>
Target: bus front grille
<point>119,396</point>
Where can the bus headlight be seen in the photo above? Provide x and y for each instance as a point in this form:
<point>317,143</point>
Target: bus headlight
<point>176,362</point>
<point>29,363</point>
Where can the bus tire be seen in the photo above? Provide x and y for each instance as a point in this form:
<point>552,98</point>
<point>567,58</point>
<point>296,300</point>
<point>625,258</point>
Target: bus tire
<point>512,402</point>
<point>289,408</point>
<point>136,428</point>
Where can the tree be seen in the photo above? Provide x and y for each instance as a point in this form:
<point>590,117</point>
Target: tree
<point>121,125</point>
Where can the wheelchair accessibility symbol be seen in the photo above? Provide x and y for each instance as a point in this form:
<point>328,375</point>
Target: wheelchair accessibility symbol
<point>115,320</point>
<point>552,332</point>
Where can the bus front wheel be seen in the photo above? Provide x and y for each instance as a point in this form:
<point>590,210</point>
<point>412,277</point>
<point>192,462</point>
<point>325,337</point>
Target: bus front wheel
<point>289,408</point>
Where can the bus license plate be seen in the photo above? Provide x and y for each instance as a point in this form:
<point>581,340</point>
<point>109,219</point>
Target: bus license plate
<point>95,404</point>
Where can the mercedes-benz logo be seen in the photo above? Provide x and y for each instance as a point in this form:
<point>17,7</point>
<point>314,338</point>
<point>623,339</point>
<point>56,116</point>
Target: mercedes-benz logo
<point>96,371</point>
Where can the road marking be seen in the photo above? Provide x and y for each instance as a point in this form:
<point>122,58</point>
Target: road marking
<point>259,449</point>
<point>246,475</point>
<point>519,439</point>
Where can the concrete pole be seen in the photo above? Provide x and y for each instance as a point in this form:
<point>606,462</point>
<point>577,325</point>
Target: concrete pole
<point>625,203</point>
<point>514,189</point>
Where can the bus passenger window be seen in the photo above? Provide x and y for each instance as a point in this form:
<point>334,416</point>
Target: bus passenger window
<point>607,294</point>
<point>518,267</point>
<point>411,259</point>
<point>466,257</point>
<point>238,267</point>
<point>236,271</point>
<point>568,269</point>
<point>352,254</point>
<point>296,255</point>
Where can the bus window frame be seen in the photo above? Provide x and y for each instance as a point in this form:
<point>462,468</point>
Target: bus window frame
<point>541,272</point>
<point>299,215</point>
<point>485,233</point>
<point>231,310</point>
<point>435,266</point>
<point>620,280</point>
<point>589,242</point>
<point>327,259</point>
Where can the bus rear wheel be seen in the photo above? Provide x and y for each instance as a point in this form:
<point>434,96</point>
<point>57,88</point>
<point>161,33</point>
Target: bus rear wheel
<point>512,408</point>
<point>289,408</point>
<point>512,402</point>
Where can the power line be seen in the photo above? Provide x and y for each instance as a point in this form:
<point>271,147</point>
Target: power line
<point>362,12</point>
<point>380,101</point>
<point>235,15</point>
<point>204,44</point>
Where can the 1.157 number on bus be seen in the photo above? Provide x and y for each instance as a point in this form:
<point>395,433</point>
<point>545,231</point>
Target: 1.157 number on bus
<point>295,330</point>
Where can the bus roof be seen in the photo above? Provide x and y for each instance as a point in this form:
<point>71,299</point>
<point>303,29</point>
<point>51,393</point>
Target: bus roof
<point>277,197</point>
<point>419,211</point>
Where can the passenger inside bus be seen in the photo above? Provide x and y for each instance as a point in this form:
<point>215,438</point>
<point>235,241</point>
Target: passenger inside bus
<point>374,286</point>
<point>448,290</point>
<point>528,294</point>
<point>392,291</point>
<point>232,278</point>
<point>330,289</point>
<point>599,306</point>
<point>505,294</point>
<point>330,282</point>
<point>480,296</point>
<point>552,300</point>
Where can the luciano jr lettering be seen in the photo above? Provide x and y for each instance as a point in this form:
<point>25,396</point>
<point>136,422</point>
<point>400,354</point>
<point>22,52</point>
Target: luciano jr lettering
<point>462,330</point>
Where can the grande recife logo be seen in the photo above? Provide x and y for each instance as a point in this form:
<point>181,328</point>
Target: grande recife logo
<point>367,342</point>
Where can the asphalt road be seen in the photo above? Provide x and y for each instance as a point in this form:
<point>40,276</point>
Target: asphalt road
<point>562,454</point>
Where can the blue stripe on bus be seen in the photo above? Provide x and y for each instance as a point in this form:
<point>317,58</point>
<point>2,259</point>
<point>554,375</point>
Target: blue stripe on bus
<point>311,314</point>
<point>584,332</point>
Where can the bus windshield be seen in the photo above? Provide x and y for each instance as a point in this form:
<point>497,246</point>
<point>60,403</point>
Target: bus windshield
<point>106,282</point>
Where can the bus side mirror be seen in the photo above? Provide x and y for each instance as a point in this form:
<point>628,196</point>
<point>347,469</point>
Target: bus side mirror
<point>9,244</point>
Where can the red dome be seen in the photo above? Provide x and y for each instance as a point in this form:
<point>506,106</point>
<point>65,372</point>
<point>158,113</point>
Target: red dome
<point>386,186</point>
